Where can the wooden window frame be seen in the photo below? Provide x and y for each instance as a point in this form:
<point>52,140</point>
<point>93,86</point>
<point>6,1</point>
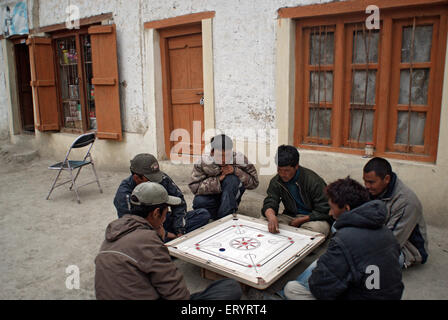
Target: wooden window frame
<point>321,104</point>
<point>83,31</point>
<point>105,77</point>
<point>340,15</point>
<point>349,67</point>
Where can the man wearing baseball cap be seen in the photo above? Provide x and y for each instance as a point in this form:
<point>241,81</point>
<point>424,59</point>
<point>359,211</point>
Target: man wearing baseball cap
<point>134,264</point>
<point>145,167</point>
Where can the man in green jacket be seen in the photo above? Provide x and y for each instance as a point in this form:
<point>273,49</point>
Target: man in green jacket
<point>301,191</point>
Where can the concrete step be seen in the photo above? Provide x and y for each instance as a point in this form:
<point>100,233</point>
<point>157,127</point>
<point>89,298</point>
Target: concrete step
<point>18,153</point>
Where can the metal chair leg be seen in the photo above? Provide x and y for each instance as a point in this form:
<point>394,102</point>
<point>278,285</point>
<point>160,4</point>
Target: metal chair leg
<point>54,183</point>
<point>96,176</point>
<point>76,177</point>
<point>74,185</point>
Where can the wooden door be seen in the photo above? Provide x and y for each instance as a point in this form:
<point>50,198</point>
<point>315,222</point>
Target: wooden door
<point>183,88</point>
<point>23,86</point>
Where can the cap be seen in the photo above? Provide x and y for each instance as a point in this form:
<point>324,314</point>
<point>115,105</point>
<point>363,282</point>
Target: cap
<point>146,164</point>
<point>151,193</point>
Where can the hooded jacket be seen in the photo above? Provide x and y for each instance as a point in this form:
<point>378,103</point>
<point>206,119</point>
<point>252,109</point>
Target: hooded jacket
<point>134,264</point>
<point>405,220</point>
<point>362,260</point>
<point>205,175</point>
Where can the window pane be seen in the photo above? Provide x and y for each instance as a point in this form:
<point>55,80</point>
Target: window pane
<point>365,43</point>
<point>360,93</point>
<point>69,86</point>
<point>417,129</point>
<point>326,44</point>
<point>419,89</point>
<point>365,130</point>
<point>422,44</point>
<point>322,118</point>
<point>321,86</point>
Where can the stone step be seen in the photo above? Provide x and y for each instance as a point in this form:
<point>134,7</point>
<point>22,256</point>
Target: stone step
<point>18,153</point>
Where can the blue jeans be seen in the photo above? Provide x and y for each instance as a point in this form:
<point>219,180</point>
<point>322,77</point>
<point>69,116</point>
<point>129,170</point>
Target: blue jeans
<point>194,219</point>
<point>303,278</point>
<point>401,260</point>
<point>306,274</point>
<point>225,203</point>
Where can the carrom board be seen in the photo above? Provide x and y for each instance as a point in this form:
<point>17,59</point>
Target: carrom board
<point>242,248</point>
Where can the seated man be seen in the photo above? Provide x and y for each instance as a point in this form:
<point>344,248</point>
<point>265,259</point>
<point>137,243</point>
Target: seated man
<point>361,261</point>
<point>133,262</point>
<point>301,191</point>
<point>220,179</point>
<point>144,167</point>
<point>404,210</point>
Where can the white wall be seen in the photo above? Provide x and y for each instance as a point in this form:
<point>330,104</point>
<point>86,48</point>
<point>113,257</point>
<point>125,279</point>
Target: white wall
<point>245,50</point>
<point>4,104</point>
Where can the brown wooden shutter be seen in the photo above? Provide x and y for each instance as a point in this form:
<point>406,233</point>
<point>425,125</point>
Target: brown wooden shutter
<point>105,79</point>
<point>43,82</point>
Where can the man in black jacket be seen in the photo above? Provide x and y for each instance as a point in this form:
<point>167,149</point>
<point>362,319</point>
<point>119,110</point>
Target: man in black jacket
<point>145,167</point>
<point>301,191</point>
<point>362,260</point>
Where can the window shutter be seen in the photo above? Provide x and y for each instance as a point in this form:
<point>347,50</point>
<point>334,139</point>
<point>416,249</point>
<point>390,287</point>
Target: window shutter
<point>105,79</point>
<point>43,83</point>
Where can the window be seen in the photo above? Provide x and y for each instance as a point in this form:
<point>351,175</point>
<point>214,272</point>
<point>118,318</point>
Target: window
<point>356,85</point>
<point>76,90</point>
<point>75,81</point>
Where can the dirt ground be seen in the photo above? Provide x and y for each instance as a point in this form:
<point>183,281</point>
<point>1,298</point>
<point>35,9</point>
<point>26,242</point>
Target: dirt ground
<point>40,238</point>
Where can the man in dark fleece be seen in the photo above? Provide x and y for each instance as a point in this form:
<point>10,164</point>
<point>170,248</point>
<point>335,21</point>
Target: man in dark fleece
<point>145,167</point>
<point>362,259</point>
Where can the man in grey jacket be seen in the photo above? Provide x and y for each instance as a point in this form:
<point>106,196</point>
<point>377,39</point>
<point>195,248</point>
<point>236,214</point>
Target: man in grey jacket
<point>134,264</point>
<point>405,213</point>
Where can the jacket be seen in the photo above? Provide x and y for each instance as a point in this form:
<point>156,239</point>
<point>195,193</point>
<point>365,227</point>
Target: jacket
<point>311,186</point>
<point>134,264</point>
<point>361,243</point>
<point>178,212</point>
<point>205,174</point>
<point>405,220</point>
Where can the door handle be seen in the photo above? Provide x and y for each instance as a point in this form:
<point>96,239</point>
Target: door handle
<point>199,93</point>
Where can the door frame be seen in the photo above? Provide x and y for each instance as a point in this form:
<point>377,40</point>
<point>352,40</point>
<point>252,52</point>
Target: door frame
<point>12,95</point>
<point>20,101</point>
<point>166,34</point>
<point>160,28</point>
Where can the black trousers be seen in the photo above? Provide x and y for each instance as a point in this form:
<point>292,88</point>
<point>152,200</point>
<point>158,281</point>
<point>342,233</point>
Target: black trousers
<point>225,289</point>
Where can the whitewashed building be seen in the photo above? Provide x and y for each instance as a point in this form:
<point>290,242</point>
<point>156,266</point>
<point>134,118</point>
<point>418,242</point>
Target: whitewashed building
<point>328,77</point>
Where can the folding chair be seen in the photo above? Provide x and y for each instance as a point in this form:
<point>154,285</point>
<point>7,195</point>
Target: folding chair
<point>82,141</point>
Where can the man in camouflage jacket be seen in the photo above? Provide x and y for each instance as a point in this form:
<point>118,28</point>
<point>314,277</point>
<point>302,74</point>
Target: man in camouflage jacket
<point>219,180</point>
